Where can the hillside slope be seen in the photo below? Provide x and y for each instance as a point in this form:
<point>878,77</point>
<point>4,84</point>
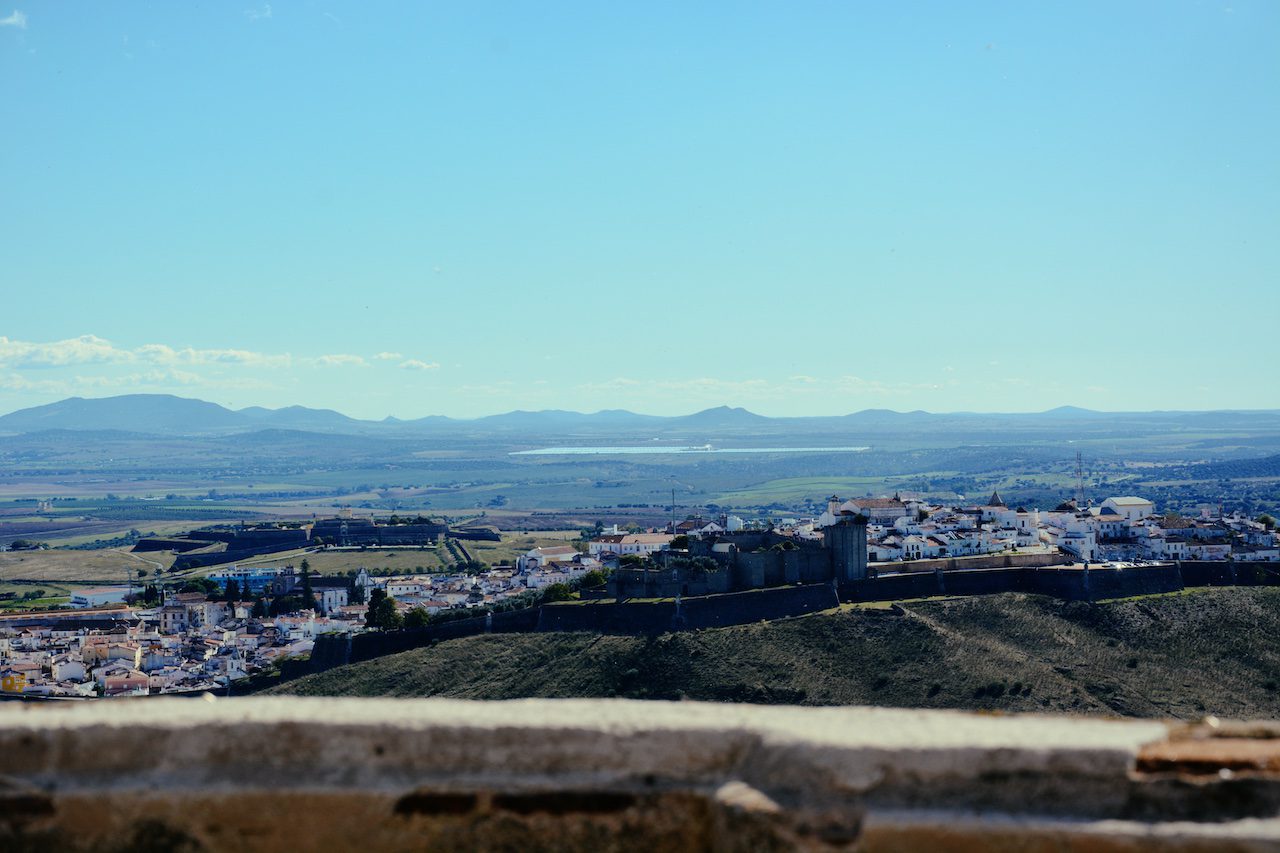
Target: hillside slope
<point>1213,651</point>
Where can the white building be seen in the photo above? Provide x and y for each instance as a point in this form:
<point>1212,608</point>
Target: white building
<point>644,543</point>
<point>330,594</point>
<point>67,668</point>
<point>629,543</point>
<point>1133,509</point>
<point>538,557</point>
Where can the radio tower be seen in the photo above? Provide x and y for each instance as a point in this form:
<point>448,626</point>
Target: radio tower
<point>1079,480</point>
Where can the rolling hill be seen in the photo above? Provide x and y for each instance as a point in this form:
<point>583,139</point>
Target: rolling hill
<point>163,414</point>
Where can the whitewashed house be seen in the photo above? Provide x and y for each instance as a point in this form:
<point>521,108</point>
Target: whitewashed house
<point>1132,508</point>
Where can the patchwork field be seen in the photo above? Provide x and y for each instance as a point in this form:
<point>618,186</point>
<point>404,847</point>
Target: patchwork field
<point>792,489</point>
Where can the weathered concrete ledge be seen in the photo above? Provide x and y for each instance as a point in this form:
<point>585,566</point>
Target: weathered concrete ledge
<point>387,774</point>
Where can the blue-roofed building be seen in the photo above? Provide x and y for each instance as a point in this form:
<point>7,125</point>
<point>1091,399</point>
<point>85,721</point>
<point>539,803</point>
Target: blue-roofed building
<point>249,580</point>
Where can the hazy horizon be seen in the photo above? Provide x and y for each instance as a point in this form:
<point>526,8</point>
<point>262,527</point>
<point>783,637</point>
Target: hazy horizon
<point>794,208</point>
<point>710,407</point>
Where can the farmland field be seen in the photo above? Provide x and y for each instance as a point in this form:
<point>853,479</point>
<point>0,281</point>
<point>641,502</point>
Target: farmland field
<point>515,544</point>
<point>335,562</point>
<point>412,559</point>
<point>110,565</point>
<point>793,489</point>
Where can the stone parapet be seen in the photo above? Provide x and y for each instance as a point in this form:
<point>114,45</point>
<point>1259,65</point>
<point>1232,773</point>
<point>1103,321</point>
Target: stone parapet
<point>386,774</point>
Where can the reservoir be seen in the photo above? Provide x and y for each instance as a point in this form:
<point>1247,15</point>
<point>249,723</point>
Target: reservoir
<point>649,449</point>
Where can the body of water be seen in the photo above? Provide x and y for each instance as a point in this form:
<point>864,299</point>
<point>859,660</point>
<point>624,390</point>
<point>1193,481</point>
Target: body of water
<point>656,449</point>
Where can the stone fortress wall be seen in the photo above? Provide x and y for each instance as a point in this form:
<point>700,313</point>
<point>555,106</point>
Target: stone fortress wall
<point>714,611</point>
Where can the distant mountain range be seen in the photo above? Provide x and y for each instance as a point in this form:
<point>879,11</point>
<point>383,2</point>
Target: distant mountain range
<point>164,414</point>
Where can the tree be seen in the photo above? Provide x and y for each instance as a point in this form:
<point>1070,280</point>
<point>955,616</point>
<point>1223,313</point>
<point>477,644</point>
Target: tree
<point>259,608</point>
<point>288,604</point>
<point>556,592</point>
<point>382,611</point>
<point>233,590</point>
<point>1266,521</point>
<point>593,578</point>
<point>308,595</point>
<point>417,618</point>
<point>680,543</point>
<point>203,585</point>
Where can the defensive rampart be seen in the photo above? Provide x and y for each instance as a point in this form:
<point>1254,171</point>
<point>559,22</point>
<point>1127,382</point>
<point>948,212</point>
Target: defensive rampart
<point>1071,583</point>
<point>982,561</point>
<point>649,617</point>
<point>714,611</point>
<point>217,558</point>
<point>590,775</point>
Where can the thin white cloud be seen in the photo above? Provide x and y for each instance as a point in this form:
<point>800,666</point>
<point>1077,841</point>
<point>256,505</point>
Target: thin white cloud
<point>164,354</point>
<point>91,349</point>
<point>17,19</point>
<point>331,17</point>
<point>258,14</point>
<point>17,382</point>
<point>86,349</point>
<point>341,360</point>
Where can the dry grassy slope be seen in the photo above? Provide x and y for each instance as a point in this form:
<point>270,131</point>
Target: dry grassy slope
<point>1205,652</point>
<point>112,564</point>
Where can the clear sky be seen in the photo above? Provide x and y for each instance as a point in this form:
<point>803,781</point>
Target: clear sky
<point>798,207</point>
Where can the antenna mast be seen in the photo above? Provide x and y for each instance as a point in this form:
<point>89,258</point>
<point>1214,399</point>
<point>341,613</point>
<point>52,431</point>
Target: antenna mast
<point>1079,480</point>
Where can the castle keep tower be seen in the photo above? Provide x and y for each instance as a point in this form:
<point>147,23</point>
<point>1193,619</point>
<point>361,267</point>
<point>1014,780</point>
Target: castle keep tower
<point>846,540</point>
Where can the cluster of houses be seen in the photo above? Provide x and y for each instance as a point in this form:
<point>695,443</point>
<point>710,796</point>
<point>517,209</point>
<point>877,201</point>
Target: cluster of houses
<point>1119,528</point>
<point>194,643</point>
<point>434,593</point>
<point>149,652</point>
<point>901,528</point>
<point>910,529</point>
<point>1128,528</point>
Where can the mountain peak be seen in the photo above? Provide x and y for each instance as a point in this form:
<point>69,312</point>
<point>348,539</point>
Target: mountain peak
<point>723,415</point>
<point>1070,411</point>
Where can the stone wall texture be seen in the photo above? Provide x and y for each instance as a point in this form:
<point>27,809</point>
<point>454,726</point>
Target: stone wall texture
<point>617,775</point>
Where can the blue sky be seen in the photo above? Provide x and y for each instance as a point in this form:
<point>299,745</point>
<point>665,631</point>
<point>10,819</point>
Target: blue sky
<point>801,208</point>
